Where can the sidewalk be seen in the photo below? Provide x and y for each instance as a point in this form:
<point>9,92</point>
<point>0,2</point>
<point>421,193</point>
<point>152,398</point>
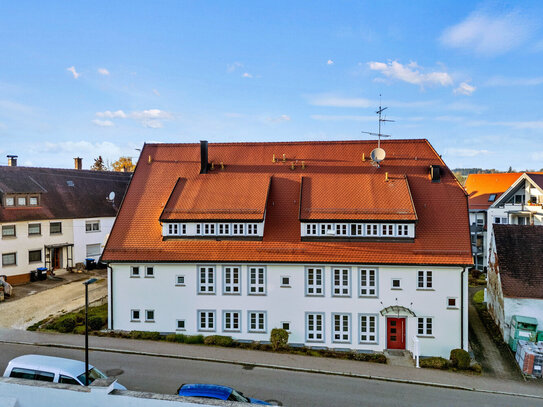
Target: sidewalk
<point>281,361</point>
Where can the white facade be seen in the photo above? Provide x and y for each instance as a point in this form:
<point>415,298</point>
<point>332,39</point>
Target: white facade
<point>90,237</point>
<point>156,297</point>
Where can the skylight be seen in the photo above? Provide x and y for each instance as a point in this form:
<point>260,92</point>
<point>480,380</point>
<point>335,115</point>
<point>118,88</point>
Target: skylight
<point>492,198</point>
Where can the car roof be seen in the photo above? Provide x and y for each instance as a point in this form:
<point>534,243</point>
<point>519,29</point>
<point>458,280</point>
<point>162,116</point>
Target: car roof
<point>40,362</point>
<point>205,390</point>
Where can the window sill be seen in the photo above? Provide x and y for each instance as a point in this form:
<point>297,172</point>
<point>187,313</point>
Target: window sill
<point>368,343</point>
<point>9,265</point>
<point>149,276</point>
<point>314,295</point>
<point>206,330</point>
<point>134,276</point>
<point>180,285</point>
<point>55,233</point>
<point>397,289</point>
<point>286,286</point>
<point>426,289</point>
<point>368,296</point>
<point>453,307</point>
<point>135,320</point>
<point>257,295</point>
<point>256,332</point>
<point>342,342</point>
<point>181,329</point>
<point>426,336</point>
<point>206,293</point>
<point>232,330</point>
<point>9,237</point>
<point>314,340</point>
<point>151,321</point>
<point>238,293</point>
<point>92,231</point>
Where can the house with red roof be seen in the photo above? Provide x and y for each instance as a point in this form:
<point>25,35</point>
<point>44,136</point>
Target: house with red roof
<point>313,237</point>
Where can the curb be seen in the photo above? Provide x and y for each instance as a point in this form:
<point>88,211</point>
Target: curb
<point>278,367</point>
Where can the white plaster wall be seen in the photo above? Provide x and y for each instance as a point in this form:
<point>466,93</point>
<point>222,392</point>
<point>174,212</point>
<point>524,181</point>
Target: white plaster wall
<point>82,238</point>
<point>527,307</point>
<point>171,302</point>
<point>22,243</point>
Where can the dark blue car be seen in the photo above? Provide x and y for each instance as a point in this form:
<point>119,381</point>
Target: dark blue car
<point>215,391</point>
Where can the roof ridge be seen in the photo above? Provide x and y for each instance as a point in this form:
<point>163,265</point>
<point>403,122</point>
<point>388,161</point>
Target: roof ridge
<point>321,142</point>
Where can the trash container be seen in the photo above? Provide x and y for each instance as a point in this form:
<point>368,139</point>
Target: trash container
<point>41,273</point>
<point>33,275</point>
<point>90,264</point>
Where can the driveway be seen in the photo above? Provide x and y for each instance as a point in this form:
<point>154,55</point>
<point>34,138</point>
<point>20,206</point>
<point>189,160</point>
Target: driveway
<point>495,363</point>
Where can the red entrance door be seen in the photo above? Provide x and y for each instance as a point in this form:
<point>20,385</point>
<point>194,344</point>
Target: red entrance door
<point>395,333</point>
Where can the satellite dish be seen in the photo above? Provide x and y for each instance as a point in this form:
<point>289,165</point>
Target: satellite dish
<point>111,196</point>
<point>378,155</point>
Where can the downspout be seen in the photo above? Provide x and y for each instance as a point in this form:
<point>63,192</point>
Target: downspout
<point>110,299</point>
<point>462,308</point>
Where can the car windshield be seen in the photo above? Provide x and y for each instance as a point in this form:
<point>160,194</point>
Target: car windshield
<point>93,375</point>
<point>237,396</point>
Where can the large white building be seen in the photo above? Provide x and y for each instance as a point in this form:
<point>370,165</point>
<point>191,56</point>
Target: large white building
<point>312,237</point>
<point>54,218</point>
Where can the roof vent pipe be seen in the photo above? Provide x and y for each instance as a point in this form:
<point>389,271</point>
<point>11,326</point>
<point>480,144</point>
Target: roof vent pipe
<point>12,160</point>
<point>203,157</point>
<point>78,163</point>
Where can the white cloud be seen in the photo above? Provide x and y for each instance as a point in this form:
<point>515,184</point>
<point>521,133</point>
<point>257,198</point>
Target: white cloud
<point>78,147</point>
<point>74,72</point>
<point>156,92</point>
<point>103,71</point>
<point>247,75</point>
<point>282,118</point>
<point>324,117</point>
<point>464,89</point>
<point>153,124</point>
<point>112,115</point>
<point>151,114</point>
<point>504,81</point>
<point>103,123</point>
<point>330,62</point>
<point>465,152</point>
<point>411,73</point>
<point>232,67</point>
<point>487,34</point>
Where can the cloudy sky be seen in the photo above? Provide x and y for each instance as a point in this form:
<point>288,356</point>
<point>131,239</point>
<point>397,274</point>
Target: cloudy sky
<point>101,78</point>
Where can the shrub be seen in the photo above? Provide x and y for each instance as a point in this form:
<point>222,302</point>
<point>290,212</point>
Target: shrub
<point>79,330</point>
<point>460,359</point>
<point>65,323</point>
<point>152,335</point>
<point>179,338</point>
<point>434,363</point>
<point>476,367</point>
<point>278,338</point>
<point>194,339</point>
<point>367,357</point>
<point>475,273</point>
<point>96,322</point>
<point>219,340</point>
<point>80,318</point>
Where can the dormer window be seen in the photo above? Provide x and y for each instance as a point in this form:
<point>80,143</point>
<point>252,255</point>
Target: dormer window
<point>311,229</point>
<point>252,229</point>
<point>372,230</point>
<point>209,228</point>
<point>10,201</point>
<point>33,200</point>
<point>21,201</point>
<point>327,229</point>
<point>341,229</point>
<point>173,229</point>
<point>387,230</point>
<point>403,230</point>
<point>238,229</point>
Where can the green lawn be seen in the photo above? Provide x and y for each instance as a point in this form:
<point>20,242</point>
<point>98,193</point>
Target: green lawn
<point>479,297</point>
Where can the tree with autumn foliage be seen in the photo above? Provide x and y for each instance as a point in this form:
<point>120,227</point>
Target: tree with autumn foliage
<point>99,164</point>
<point>123,164</point>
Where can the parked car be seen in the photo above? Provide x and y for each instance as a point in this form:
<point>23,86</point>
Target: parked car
<point>53,369</point>
<point>215,391</point>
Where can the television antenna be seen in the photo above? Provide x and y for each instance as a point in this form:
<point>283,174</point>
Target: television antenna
<point>378,154</point>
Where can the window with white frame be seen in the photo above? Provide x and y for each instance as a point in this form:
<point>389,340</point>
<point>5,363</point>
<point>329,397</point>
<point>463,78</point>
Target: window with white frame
<point>368,282</point>
<point>93,250</point>
<point>149,271</point>
<point>341,282</point>
<point>149,315</point>
<point>285,281</point>
<point>238,229</point>
<point>134,271</point>
<point>135,315</point>
<point>206,320</point>
<point>33,200</point>
<point>452,302</point>
<point>327,229</point>
<point>252,229</point>
<point>21,201</point>
<point>257,321</point>
<point>9,201</point>
<point>311,229</point>
<point>372,230</point>
<point>403,230</point>
<point>425,280</point>
<point>396,283</point>
<point>285,325</point>
<point>231,321</point>
<point>231,280</point>
<point>341,327</point>
<point>183,228</point>
<point>257,280</point>
<point>357,229</point>
<point>206,280</point>
<point>387,230</point>
<point>368,328</point>
<point>198,228</point>
<point>173,229</point>
<point>209,228</point>
<point>341,229</point>
<point>180,280</point>
<point>314,281</point>
<point>224,228</point>
<point>314,327</point>
<point>180,325</point>
<point>92,226</point>
<point>425,326</point>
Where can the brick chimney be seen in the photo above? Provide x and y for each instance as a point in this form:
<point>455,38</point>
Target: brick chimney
<point>12,160</point>
<point>78,163</point>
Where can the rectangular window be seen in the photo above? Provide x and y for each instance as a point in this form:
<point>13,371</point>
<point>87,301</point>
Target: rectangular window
<point>425,326</point>
<point>180,280</point>
<point>34,229</point>
<point>311,229</point>
<point>135,315</point>
<point>34,200</point>
<point>257,321</point>
<point>8,231</point>
<point>92,226</point>
<point>231,280</point>
<point>34,256</point>
<point>396,283</point>
<point>21,201</point>
<point>149,271</point>
<point>209,228</point>
<point>257,280</point>
<point>206,281</point>
<point>285,281</point>
<point>93,250</point>
<point>314,281</point>
<point>206,320</point>
<point>357,229</point>
<point>180,325</point>
<point>387,230</point>
<point>368,328</point>
<point>327,229</point>
<point>403,230</point>
<point>341,282</point>
<point>183,228</point>
<point>314,327</point>
<point>285,325</point>
<point>451,302</point>
<point>224,228</point>
<point>149,315</point>
<point>232,321</point>
<point>368,283</point>
<point>238,229</point>
<point>341,229</point>
<point>425,279</point>
<point>341,327</point>
<point>252,229</point>
<point>9,259</point>
<point>10,201</point>
<point>372,230</point>
<point>198,229</point>
<point>134,271</point>
<point>173,229</point>
<point>55,228</point>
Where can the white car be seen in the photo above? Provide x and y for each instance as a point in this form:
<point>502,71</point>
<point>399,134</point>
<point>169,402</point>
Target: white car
<point>53,369</point>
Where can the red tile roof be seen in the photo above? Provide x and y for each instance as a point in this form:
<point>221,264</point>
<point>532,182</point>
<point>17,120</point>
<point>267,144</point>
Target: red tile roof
<point>480,186</point>
<point>442,231</point>
<point>370,197</point>
<point>221,196</point>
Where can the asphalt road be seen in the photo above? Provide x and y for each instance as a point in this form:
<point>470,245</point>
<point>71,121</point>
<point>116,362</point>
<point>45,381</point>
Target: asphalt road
<point>164,375</point>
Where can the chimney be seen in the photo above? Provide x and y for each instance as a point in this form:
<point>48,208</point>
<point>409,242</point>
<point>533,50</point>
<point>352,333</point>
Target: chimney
<point>204,163</point>
<point>78,163</point>
<point>435,173</point>
<point>12,160</point>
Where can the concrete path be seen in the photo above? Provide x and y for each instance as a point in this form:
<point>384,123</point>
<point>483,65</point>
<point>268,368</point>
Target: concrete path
<point>494,362</point>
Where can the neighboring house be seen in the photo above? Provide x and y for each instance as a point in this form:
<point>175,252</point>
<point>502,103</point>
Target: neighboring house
<point>483,190</point>
<point>53,217</point>
<point>515,275</point>
<point>306,236</point>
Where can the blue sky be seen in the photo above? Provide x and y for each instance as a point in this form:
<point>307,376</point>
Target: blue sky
<point>101,78</point>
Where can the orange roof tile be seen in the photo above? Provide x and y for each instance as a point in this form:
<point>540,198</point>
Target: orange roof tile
<point>480,186</point>
<point>442,231</point>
